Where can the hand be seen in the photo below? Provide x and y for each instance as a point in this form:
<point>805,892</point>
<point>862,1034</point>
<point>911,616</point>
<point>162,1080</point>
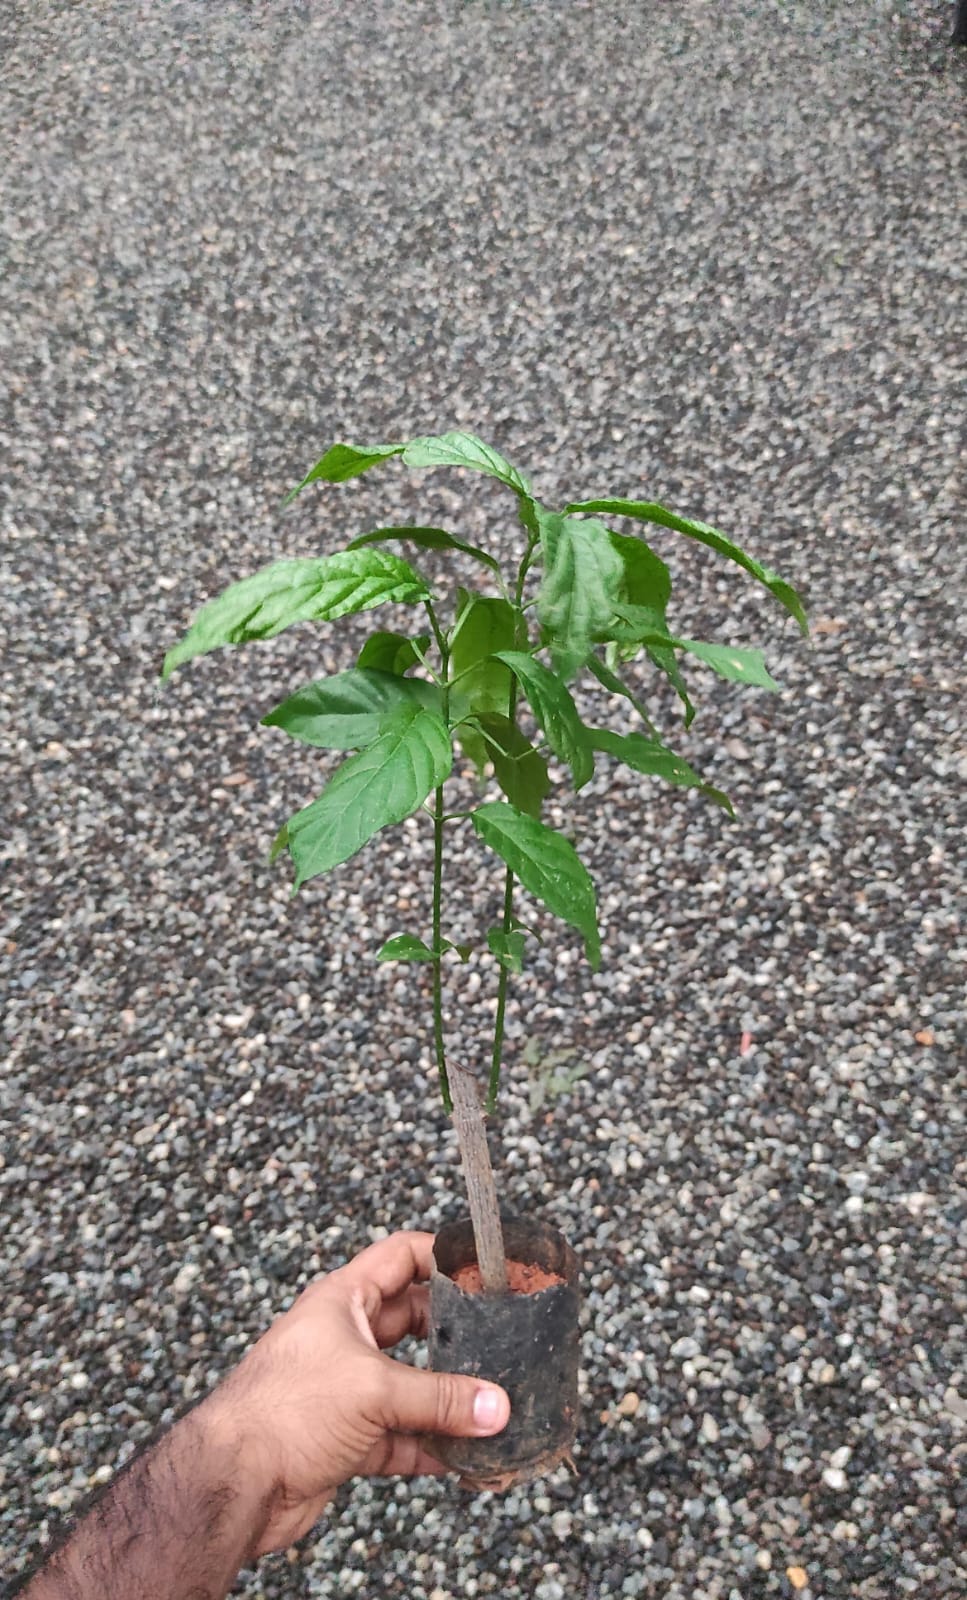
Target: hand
<point>316,1402</point>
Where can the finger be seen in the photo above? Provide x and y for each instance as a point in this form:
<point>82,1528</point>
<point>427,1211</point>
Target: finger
<point>400,1455</point>
<point>388,1267</point>
<point>407,1314</point>
<point>440,1402</point>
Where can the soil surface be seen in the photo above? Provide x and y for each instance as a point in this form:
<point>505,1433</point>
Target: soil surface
<point>524,1277</point>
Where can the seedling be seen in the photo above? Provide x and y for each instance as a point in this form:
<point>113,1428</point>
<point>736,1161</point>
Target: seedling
<point>583,600</point>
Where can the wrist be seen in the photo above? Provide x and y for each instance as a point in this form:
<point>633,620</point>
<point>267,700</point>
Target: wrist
<point>234,1453</point>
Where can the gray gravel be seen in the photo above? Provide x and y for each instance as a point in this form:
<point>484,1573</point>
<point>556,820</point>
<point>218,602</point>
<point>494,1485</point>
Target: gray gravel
<point>719,263</point>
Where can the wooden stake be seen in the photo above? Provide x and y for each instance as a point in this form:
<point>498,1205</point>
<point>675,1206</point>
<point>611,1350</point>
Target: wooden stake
<point>468,1120</point>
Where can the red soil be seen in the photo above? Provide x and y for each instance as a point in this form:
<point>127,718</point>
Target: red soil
<point>523,1277</point>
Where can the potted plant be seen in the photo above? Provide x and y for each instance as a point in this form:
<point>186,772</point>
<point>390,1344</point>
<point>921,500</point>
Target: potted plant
<point>584,599</point>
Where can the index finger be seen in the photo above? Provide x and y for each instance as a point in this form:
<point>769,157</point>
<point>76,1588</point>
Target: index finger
<point>390,1265</point>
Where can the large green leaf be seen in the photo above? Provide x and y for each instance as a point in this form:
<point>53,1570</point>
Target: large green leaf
<point>344,461</point>
<point>738,665</point>
<point>392,652</point>
<point>551,702</point>
<point>426,539</point>
<point>297,591</point>
<point>581,586</point>
<point>547,865</point>
<point>464,450</point>
<point>652,757</point>
<point>518,768</point>
<point>345,712</point>
<point>378,787</point>
<point>484,626</point>
<point>647,511</point>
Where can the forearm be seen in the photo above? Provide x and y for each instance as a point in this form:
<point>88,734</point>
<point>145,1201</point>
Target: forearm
<point>178,1524</point>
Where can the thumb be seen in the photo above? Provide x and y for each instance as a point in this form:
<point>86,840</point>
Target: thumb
<point>442,1402</point>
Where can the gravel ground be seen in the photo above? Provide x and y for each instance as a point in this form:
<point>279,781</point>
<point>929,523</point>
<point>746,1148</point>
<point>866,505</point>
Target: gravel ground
<point>719,264</point>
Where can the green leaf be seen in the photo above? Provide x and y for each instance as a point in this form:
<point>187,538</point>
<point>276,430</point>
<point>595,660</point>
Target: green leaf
<point>372,790</point>
<point>344,461</point>
<point>667,662</point>
<point>484,626</point>
<point>647,511</point>
<point>647,586</point>
<point>392,652</point>
<point>508,948</point>
<point>518,768</point>
<point>551,702</point>
<point>427,539</point>
<point>527,513</point>
<point>455,449</point>
<point>646,580</point>
<point>580,588</point>
<point>652,757</point>
<point>547,865</point>
<point>738,665</point>
<point>464,450</point>
<point>287,592</point>
<point>609,680</point>
<point>346,712</point>
<point>405,947</point>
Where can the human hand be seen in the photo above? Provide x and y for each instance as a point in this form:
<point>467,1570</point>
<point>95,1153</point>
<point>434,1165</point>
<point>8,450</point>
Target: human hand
<point>316,1402</point>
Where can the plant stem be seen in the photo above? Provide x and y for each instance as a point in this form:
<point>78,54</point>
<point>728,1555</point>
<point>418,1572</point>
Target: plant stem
<point>441,1058</point>
<point>481,1189</point>
<point>508,917</point>
<point>439,816</point>
<point>501,998</point>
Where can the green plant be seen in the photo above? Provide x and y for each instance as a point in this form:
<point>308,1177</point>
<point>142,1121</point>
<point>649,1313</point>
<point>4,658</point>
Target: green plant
<point>600,601</point>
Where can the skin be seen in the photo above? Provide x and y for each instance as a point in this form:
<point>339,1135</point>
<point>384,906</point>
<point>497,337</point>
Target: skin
<point>314,1403</point>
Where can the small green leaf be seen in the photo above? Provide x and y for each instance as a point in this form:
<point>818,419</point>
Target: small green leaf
<point>738,665</point>
<point>518,768</point>
<point>464,450</point>
<point>581,586</point>
<point>346,712</point>
<point>392,652</point>
<point>653,758</point>
<point>667,662</point>
<point>426,539</point>
<point>287,592</point>
<point>372,790</point>
<point>527,513</point>
<point>344,461</point>
<point>646,581</point>
<point>484,626</point>
<point>648,511</point>
<point>547,865</point>
<point>405,947</point>
<point>554,708</point>
<point>508,948</point>
<point>647,586</point>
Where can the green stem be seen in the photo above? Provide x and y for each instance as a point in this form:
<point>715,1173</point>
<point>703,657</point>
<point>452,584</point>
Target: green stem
<point>439,817</point>
<point>508,917</point>
<point>495,1063</point>
<point>441,1058</point>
